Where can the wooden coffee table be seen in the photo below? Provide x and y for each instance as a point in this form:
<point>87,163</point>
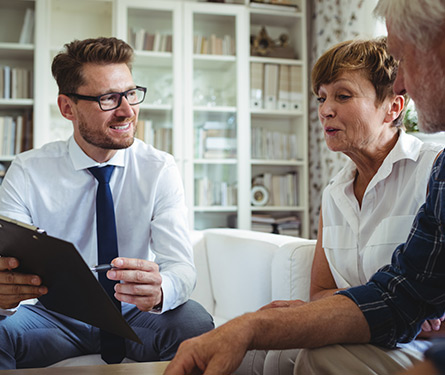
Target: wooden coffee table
<point>144,368</point>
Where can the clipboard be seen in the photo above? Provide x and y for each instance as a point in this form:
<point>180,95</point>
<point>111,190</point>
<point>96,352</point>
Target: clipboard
<point>73,290</point>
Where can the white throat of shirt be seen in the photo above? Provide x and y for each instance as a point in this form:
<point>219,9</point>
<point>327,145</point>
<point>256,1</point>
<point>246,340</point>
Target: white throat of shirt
<point>81,160</point>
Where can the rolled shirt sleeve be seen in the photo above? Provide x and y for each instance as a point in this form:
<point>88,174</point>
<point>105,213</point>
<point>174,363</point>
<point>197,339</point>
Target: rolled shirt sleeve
<point>170,240</point>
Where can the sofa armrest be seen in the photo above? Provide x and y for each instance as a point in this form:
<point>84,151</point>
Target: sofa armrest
<point>291,270</point>
<point>203,292</point>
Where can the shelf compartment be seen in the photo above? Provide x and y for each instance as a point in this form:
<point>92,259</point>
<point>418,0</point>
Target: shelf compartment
<point>13,51</point>
<point>16,103</point>
<point>291,163</point>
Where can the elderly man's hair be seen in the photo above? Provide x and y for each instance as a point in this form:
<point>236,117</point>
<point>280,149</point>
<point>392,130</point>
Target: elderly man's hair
<point>416,21</point>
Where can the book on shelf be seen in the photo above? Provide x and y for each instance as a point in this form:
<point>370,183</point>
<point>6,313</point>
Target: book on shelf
<point>270,86</point>
<point>296,87</point>
<point>2,83</point>
<point>27,31</point>
<point>157,42</point>
<point>256,85</point>
<point>144,131</point>
<point>284,88</point>
<point>281,6</point>
<point>13,134</point>
<point>6,82</point>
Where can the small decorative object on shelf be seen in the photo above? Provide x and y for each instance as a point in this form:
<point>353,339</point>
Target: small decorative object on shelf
<point>263,45</point>
<point>259,195</point>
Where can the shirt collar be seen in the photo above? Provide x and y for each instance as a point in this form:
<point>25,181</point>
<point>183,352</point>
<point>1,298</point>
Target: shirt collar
<point>81,160</point>
<point>406,147</point>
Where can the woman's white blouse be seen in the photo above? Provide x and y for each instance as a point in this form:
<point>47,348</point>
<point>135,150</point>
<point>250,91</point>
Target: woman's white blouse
<point>358,241</point>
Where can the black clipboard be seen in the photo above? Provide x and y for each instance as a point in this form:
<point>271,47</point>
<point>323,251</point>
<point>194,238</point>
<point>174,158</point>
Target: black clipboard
<point>73,290</point>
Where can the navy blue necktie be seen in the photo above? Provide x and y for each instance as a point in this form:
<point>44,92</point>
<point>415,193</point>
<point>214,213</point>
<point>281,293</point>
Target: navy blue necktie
<point>112,346</point>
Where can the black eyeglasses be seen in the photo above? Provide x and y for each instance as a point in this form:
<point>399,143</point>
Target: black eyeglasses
<point>113,100</point>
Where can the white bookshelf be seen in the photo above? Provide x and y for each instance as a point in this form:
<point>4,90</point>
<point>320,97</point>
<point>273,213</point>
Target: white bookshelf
<point>17,65</point>
<point>186,88</point>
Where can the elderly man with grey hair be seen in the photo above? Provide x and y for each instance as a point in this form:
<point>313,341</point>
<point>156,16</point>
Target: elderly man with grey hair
<point>392,306</point>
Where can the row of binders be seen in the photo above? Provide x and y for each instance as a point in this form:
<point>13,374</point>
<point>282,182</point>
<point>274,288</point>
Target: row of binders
<point>214,45</point>
<point>215,193</point>
<point>158,137</point>
<point>276,86</point>
<point>142,40</point>
<point>15,134</point>
<point>273,145</point>
<point>15,83</point>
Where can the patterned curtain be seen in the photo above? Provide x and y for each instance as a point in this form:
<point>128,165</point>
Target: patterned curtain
<point>332,21</point>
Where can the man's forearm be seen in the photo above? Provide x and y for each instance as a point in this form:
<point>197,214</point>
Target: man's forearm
<point>331,320</point>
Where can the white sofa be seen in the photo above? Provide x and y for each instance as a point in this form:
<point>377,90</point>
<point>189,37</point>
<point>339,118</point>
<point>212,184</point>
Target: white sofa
<point>240,271</point>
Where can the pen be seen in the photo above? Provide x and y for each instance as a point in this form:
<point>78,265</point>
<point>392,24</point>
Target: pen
<point>102,268</point>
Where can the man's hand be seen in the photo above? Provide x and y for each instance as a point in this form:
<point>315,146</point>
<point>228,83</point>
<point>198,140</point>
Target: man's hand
<point>140,282</point>
<point>16,287</point>
<point>218,352</point>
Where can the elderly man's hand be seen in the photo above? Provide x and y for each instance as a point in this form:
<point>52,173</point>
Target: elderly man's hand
<point>218,352</point>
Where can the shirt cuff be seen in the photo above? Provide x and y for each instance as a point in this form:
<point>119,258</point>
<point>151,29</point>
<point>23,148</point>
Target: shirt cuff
<point>369,300</point>
<point>168,297</point>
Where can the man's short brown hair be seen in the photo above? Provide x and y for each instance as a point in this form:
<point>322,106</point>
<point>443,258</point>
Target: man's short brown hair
<point>67,65</point>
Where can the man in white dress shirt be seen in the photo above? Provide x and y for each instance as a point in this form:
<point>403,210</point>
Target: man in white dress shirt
<point>52,188</point>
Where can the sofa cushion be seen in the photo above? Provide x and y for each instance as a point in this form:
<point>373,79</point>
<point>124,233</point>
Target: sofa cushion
<point>240,269</point>
<point>291,270</point>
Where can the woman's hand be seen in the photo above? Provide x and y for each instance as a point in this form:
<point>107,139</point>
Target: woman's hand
<point>282,303</point>
<point>432,324</point>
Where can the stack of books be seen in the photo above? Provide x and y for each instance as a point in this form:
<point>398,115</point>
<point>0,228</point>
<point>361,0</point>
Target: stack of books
<point>215,140</point>
<point>289,225</point>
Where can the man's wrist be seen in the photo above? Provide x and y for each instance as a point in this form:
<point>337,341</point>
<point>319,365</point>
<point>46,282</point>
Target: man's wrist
<point>158,308</point>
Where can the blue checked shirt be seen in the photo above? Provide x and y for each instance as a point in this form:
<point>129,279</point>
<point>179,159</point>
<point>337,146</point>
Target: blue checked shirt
<point>402,295</point>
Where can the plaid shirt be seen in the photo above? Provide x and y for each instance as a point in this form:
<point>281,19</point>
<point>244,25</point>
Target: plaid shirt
<point>402,295</point>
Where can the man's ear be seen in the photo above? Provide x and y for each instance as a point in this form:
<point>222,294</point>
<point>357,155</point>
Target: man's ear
<point>396,106</point>
<point>66,107</point>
